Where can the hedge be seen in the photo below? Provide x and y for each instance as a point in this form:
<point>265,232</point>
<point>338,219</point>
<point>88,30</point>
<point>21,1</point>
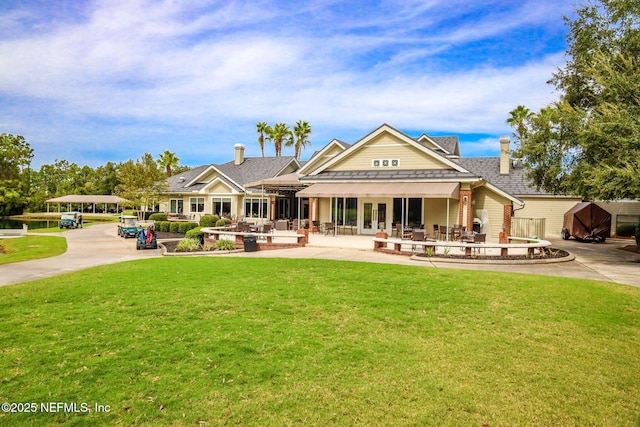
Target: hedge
<point>175,227</point>
<point>186,226</point>
<point>209,220</point>
<point>222,222</point>
<point>194,233</point>
<point>158,216</point>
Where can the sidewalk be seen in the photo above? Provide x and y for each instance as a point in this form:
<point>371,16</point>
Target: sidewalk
<point>99,245</point>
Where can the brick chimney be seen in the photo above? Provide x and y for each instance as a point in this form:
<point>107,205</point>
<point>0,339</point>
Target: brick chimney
<point>504,155</point>
<point>239,157</point>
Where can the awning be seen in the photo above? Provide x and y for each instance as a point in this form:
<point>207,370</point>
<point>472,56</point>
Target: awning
<point>81,198</point>
<point>426,190</point>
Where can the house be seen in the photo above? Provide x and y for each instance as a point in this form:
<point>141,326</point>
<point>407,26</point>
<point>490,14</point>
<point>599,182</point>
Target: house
<point>385,178</point>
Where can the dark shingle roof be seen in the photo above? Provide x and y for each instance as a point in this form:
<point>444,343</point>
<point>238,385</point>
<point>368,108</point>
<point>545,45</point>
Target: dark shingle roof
<point>515,183</point>
<point>252,169</point>
<point>396,174</point>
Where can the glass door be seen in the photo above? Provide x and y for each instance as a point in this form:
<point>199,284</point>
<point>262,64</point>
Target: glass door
<point>374,217</point>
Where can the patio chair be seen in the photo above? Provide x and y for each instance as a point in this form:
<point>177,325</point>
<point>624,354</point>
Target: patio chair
<point>457,230</point>
<point>436,231</point>
<point>316,226</point>
<point>443,232</point>
<point>417,236</point>
<point>480,238</point>
<point>329,228</point>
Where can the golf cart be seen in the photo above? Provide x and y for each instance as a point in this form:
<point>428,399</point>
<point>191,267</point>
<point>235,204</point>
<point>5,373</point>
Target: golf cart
<point>128,226</point>
<point>146,238</point>
<point>71,220</point>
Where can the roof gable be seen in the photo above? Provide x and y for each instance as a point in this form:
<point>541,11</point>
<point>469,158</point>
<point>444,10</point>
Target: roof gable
<point>332,149</point>
<point>393,148</point>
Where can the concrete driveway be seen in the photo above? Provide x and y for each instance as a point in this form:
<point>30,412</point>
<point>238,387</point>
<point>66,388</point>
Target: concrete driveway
<point>99,244</point>
<point>86,247</point>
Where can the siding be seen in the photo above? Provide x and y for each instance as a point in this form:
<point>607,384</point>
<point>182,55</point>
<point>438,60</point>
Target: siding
<point>435,212</point>
<point>551,209</point>
<point>386,146</point>
<point>493,203</point>
<point>620,208</point>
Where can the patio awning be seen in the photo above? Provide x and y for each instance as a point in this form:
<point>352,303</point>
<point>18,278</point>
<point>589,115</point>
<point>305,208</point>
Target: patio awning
<point>426,190</point>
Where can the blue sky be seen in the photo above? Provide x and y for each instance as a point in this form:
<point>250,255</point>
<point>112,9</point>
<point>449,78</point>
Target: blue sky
<point>98,81</point>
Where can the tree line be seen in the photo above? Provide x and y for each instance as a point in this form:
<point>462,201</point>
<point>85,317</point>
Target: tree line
<point>587,142</point>
<point>23,189</point>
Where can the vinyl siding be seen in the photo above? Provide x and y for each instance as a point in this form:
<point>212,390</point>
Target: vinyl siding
<point>620,208</point>
<point>494,204</point>
<point>551,209</point>
<point>386,146</point>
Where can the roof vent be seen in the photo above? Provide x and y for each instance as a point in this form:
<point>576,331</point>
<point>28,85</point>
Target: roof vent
<point>182,179</point>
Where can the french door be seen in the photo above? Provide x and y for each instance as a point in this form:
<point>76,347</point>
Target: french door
<point>374,217</point>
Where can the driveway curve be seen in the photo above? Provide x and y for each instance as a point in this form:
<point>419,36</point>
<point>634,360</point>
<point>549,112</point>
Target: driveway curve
<point>97,244</point>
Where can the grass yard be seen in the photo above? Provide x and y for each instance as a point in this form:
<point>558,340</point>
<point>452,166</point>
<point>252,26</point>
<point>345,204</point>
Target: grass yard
<point>30,247</point>
<point>233,341</point>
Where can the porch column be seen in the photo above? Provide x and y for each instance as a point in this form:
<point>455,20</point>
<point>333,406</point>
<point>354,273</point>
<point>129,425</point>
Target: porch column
<point>465,217</point>
<point>273,215</point>
<point>506,218</point>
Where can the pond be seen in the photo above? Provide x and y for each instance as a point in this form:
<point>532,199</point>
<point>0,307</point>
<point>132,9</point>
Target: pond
<point>33,224</point>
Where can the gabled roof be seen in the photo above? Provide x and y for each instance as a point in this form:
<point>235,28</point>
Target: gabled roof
<point>515,183</point>
<point>398,134</point>
<point>448,145</point>
<point>236,176</point>
<point>318,154</point>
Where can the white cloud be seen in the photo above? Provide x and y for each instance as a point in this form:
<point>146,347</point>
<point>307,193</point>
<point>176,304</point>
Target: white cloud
<point>168,66</point>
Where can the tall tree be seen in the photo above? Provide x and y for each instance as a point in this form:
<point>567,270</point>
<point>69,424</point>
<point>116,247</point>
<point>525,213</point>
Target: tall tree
<point>141,182</point>
<point>300,140</point>
<point>262,130</point>
<point>168,161</point>
<point>588,144</point>
<point>278,134</point>
<point>15,159</point>
<point>517,119</point>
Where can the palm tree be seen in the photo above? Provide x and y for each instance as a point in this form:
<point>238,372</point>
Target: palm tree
<point>167,161</point>
<point>518,118</point>
<point>278,134</point>
<point>262,128</point>
<point>301,132</point>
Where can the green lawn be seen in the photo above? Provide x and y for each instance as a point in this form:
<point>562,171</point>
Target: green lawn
<point>231,341</point>
<point>31,247</point>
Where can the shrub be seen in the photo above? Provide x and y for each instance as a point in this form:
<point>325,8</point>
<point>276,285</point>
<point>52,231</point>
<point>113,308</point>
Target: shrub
<point>187,245</point>
<point>175,227</point>
<point>194,233</point>
<point>225,245</point>
<point>186,226</point>
<point>626,230</point>
<point>163,226</point>
<point>209,220</point>
<point>638,235</point>
<point>158,216</point>
<point>222,222</point>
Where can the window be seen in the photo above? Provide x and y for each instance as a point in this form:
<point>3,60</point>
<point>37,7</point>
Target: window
<point>345,211</point>
<point>197,204</point>
<point>176,206</point>
<point>385,163</point>
<point>221,206</point>
<point>255,208</point>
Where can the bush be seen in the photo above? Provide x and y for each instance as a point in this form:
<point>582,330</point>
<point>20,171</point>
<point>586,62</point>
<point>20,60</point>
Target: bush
<point>175,227</point>
<point>638,235</point>
<point>222,222</point>
<point>209,220</point>
<point>158,217</point>
<point>225,245</point>
<point>187,245</point>
<point>166,226</point>
<point>194,233</point>
<point>626,230</point>
<point>186,226</point>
